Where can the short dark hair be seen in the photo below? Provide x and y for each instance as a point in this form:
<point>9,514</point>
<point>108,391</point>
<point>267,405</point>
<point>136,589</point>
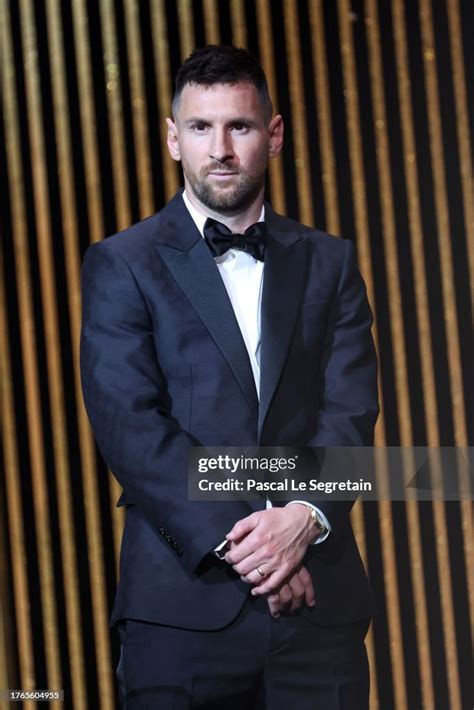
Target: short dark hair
<point>222,64</point>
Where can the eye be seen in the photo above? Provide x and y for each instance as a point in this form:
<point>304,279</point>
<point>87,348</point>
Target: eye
<point>240,127</point>
<point>199,127</point>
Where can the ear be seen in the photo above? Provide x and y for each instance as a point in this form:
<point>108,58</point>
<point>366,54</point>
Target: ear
<point>172,139</point>
<point>275,130</point>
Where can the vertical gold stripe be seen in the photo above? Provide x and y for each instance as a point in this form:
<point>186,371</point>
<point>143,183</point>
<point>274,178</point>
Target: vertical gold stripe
<point>466,178</point>
<point>451,323</point>
<point>323,104</point>
<point>467,529</point>
<point>357,520</point>
<point>357,174</point>
<point>363,243</point>
<point>374,703</point>
<point>115,114</point>
<point>186,28</point>
<point>122,204</point>
<point>96,226</point>
<point>265,39</point>
<point>71,241</point>
<point>419,593</point>
<point>298,111</point>
<point>389,231</point>
<point>415,223</point>
<point>462,122</point>
<point>239,24</point>
<point>211,22</point>
<point>423,320</point>
<point>170,170</point>
<point>139,113</point>
<point>464,147</point>
<point>4,682</point>
<point>447,605</point>
<point>118,517</point>
<point>88,122</point>
<point>391,587</point>
<point>12,469</point>
<point>14,502</point>
<point>398,340</point>
<point>450,317</point>
<point>448,280</point>
<point>28,338</point>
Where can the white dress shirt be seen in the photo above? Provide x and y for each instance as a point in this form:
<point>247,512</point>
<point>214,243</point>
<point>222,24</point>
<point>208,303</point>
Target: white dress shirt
<point>243,278</point>
<point>242,275</point>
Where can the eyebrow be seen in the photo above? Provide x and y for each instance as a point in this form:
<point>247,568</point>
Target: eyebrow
<point>196,119</point>
<point>237,119</point>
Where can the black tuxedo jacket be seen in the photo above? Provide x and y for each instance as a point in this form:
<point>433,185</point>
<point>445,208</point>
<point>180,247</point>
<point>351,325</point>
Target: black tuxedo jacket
<point>164,368</point>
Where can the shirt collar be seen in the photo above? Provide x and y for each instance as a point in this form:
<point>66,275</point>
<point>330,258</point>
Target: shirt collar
<point>200,219</point>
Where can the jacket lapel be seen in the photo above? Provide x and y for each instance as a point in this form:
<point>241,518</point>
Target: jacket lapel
<point>286,262</point>
<point>187,257</point>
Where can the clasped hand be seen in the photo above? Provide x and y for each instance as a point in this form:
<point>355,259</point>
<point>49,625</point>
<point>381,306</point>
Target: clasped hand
<point>267,548</point>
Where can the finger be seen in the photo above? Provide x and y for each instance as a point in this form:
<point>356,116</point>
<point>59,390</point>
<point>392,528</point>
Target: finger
<point>243,527</point>
<point>310,596</point>
<point>272,582</point>
<point>241,552</point>
<point>249,563</point>
<point>253,577</point>
<point>249,534</point>
<point>274,605</point>
<point>278,603</point>
<point>286,596</point>
<point>298,592</point>
<point>250,547</point>
<point>307,582</point>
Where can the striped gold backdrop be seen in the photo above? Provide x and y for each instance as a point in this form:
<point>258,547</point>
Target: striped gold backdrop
<point>377,100</point>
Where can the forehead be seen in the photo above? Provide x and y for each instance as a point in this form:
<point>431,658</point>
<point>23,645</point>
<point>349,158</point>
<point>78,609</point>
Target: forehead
<point>219,100</point>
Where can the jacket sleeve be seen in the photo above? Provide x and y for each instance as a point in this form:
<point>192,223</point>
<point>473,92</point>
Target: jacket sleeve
<point>348,382</point>
<point>126,398</point>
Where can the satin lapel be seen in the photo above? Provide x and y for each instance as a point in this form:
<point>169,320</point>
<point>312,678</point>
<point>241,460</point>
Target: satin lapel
<point>283,284</point>
<point>197,275</point>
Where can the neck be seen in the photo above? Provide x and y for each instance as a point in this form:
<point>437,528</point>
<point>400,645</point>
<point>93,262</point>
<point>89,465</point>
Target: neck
<point>237,223</point>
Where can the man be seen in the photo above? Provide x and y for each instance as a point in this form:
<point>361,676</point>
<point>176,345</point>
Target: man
<point>256,334</point>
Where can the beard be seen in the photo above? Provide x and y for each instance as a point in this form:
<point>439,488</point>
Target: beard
<point>229,198</point>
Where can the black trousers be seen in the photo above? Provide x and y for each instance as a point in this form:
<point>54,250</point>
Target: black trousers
<point>255,663</point>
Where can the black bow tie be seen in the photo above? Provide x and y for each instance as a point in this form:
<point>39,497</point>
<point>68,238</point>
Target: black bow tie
<point>220,239</point>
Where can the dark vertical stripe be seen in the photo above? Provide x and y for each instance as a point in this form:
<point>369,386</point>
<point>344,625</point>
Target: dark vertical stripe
<point>153,118</point>
<point>384,678</point>
<point>281,73</point>
<point>406,273</point>
<point>127,113</point>
<point>311,117</point>
<point>428,212</point>
<point>338,111</point>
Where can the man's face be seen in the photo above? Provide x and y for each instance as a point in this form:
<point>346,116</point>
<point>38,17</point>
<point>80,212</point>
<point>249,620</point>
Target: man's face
<point>223,141</point>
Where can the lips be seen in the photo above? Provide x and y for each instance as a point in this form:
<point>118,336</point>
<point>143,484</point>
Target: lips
<point>221,177</point>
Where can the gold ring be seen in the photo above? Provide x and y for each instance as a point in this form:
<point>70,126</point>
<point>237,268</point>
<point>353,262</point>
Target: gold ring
<point>262,574</point>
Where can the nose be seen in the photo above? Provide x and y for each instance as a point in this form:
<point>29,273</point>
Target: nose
<point>221,146</point>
